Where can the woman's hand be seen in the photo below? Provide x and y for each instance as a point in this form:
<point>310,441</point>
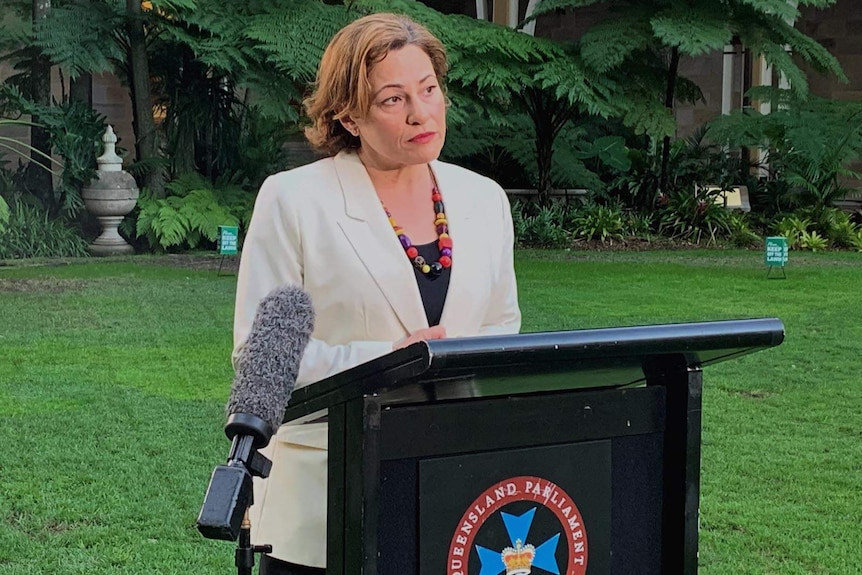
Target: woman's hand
<point>436,332</point>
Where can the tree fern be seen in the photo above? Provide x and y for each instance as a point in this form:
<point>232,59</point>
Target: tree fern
<point>79,36</point>
<point>692,28</point>
<point>699,27</point>
<point>697,30</point>
<point>607,44</point>
<point>293,35</point>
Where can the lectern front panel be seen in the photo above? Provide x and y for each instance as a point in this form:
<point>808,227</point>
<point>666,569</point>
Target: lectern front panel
<point>587,505</point>
<point>545,508</point>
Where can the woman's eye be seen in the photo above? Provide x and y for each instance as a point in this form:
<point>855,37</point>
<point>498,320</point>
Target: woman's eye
<point>430,89</point>
<point>391,100</point>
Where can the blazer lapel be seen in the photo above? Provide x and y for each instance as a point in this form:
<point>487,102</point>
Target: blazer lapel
<point>375,244</point>
<point>467,256</point>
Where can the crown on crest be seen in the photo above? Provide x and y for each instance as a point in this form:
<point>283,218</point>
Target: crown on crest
<point>518,559</point>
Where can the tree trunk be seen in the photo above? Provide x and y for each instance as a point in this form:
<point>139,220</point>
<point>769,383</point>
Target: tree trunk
<point>543,125</point>
<point>549,116</point>
<point>146,141</point>
<point>39,179</point>
<point>81,89</point>
<point>670,96</point>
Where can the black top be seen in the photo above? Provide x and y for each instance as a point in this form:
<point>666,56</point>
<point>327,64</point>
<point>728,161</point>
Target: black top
<point>432,288</point>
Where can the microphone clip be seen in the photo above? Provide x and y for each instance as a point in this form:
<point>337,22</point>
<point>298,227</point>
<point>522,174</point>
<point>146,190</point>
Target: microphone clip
<point>230,493</point>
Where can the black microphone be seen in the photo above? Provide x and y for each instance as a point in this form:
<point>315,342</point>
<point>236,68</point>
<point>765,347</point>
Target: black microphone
<point>266,373</point>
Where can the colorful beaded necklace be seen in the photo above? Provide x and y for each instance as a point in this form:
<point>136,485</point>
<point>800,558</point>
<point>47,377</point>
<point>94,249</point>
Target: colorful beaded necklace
<point>444,242</point>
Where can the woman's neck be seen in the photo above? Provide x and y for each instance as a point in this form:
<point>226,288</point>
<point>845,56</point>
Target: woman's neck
<point>401,182</point>
<point>403,179</point>
<point>406,193</point>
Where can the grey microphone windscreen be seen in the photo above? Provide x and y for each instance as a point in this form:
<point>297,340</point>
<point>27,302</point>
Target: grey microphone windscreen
<point>268,363</point>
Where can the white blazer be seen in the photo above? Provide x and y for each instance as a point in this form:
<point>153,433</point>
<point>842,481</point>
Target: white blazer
<point>322,227</point>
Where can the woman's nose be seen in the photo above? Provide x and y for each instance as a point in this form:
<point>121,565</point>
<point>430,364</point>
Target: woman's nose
<point>418,111</point>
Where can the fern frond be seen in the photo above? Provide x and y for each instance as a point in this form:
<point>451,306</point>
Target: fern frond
<point>170,224</point>
<point>778,58</point>
<point>79,37</point>
<point>547,6</point>
<point>739,128</point>
<point>781,8</point>
<point>470,39</point>
<point>293,40</point>
<point>649,116</point>
<point>810,50</point>
<point>568,80</point>
<point>273,99</point>
<point>697,30</point>
<point>175,5</point>
<point>187,183</point>
<point>609,43</point>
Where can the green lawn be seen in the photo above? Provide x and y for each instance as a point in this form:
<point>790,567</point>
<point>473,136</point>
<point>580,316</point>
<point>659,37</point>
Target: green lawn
<point>113,377</point>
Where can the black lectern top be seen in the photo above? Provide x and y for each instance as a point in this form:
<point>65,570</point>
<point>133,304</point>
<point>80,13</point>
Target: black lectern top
<point>536,362</point>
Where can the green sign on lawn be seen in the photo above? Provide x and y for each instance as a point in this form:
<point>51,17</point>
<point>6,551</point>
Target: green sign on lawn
<point>776,251</point>
<point>228,237</point>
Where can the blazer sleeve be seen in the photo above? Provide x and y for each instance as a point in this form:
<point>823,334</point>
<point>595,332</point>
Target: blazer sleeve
<point>272,256</point>
<point>503,315</point>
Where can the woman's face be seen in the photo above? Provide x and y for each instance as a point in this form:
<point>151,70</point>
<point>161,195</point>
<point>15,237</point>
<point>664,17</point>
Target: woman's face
<point>406,124</point>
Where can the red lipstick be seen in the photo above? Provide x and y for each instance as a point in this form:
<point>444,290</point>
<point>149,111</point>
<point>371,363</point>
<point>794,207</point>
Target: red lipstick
<point>423,138</point>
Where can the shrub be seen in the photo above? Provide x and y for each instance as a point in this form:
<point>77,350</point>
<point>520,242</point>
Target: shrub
<point>637,225</point>
<point>4,215</point>
<point>694,216</point>
<point>856,240</point>
<point>740,233</point>
<point>75,135</point>
<point>840,233</point>
<point>832,223</point>
<point>32,233</point>
<point>792,228</point>
<point>593,221</point>
<point>813,241</point>
<point>539,227</point>
<point>813,144</point>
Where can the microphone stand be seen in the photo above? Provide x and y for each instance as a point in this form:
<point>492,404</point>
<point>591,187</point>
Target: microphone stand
<point>245,551</point>
<point>243,450</point>
<point>224,514</point>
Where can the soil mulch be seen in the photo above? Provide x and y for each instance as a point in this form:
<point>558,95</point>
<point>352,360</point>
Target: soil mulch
<point>50,285</point>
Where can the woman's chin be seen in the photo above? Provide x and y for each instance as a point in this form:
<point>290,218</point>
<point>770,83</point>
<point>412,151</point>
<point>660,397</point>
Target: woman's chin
<point>425,153</point>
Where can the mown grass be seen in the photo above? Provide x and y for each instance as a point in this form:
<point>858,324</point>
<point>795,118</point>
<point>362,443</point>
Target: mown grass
<point>113,376</point>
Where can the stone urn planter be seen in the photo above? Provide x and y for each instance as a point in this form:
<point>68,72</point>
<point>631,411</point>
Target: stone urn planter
<point>111,195</point>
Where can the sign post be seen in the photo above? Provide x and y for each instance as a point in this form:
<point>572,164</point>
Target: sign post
<point>776,254</point>
<point>228,242</point>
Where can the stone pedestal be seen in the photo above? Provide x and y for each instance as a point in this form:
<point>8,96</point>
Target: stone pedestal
<point>111,195</point>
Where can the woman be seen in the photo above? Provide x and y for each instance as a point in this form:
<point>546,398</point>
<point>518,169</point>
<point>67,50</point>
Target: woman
<point>393,246</point>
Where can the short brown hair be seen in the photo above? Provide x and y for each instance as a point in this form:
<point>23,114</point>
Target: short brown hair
<point>342,87</point>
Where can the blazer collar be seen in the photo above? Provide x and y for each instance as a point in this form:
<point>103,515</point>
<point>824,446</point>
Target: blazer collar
<point>375,244</point>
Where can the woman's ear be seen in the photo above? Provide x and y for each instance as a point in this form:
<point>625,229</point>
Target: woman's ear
<point>349,125</point>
